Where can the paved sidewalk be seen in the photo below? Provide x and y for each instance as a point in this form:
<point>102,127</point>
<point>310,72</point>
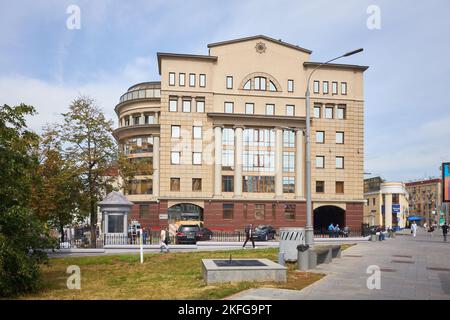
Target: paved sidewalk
<point>411,268</point>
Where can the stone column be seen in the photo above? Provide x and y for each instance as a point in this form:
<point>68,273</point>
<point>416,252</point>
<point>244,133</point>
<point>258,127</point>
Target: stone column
<point>156,117</point>
<point>388,210</point>
<point>278,163</point>
<point>238,162</point>
<point>217,161</point>
<point>156,166</point>
<point>299,178</point>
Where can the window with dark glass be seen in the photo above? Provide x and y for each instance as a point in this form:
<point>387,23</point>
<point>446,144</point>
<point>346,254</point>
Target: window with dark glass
<point>320,186</point>
<point>339,186</point>
<point>262,184</point>
<point>227,183</point>
<point>143,165</point>
<point>260,211</point>
<point>228,211</point>
<point>136,120</point>
<point>288,184</point>
<point>115,223</point>
<point>289,211</point>
<point>174,184</point>
<point>140,186</point>
<point>196,184</point>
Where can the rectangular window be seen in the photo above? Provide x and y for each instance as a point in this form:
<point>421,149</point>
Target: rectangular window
<point>249,108</point>
<point>340,114</point>
<point>290,85</point>
<point>344,88</point>
<point>288,184</point>
<point>288,161</point>
<point>228,211</point>
<point>288,139</point>
<point>143,210</point>
<point>329,112</point>
<point>229,82</point>
<point>257,83</point>
<point>228,136</point>
<point>186,105</point>
<point>334,88</point>
<point>260,184</point>
<point>373,201</point>
<point>228,160</point>
<point>316,86</point>
<point>115,223</point>
<point>317,112</point>
<point>289,211</point>
<point>174,184</point>
<point>200,106</point>
<point>197,132</point>
<point>227,183</point>
<point>171,78</point>
<point>175,132</point>
<point>191,79</point>
<point>136,120</point>
<point>339,186</point>
<point>245,211</point>
<point>325,87</point>
<point>263,83</point>
<point>196,184</point>
<point>320,136</point>
<point>270,109</point>
<point>202,80</point>
<point>127,121</point>
<point>339,137</point>
<point>320,162</point>
<point>182,79</point>
<point>173,105</point>
<point>228,107</point>
<point>260,211</point>
<point>274,211</point>
<point>339,162</point>
<point>320,186</point>
<point>290,110</point>
<point>197,158</point>
<point>175,157</point>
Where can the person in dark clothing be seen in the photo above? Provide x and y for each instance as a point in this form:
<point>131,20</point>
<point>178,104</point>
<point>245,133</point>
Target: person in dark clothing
<point>249,235</point>
<point>444,228</point>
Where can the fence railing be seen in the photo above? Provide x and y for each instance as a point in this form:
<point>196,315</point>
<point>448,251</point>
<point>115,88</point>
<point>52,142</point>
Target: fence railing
<point>353,232</point>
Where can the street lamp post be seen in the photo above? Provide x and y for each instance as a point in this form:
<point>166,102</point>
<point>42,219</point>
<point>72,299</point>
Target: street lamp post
<point>309,236</point>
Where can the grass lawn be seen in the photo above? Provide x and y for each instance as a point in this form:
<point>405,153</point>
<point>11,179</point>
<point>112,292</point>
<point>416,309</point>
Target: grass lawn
<point>161,276</point>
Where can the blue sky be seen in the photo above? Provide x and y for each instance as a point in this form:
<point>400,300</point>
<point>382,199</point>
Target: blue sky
<point>407,110</point>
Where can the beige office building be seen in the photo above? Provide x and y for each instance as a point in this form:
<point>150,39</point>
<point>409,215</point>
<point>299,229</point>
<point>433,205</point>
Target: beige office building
<point>386,203</point>
<point>222,137</point>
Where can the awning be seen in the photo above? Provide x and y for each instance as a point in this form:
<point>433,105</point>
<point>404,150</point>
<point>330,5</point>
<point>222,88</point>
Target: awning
<point>415,218</point>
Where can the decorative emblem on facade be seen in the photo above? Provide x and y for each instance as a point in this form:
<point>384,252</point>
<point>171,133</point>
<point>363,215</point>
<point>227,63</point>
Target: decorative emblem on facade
<point>260,47</point>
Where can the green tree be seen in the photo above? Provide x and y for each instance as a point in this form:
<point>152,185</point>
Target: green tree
<point>88,137</point>
<point>22,235</point>
<point>56,196</point>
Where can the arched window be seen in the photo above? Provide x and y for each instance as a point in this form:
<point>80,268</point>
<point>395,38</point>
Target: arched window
<point>247,85</point>
<point>260,82</point>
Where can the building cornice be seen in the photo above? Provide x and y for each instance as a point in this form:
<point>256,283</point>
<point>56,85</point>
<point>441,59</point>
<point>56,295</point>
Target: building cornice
<point>335,65</point>
<point>161,55</point>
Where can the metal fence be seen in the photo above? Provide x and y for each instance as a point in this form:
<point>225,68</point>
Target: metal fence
<point>324,233</point>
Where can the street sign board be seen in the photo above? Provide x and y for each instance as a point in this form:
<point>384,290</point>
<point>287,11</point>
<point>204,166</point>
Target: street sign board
<point>446,182</point>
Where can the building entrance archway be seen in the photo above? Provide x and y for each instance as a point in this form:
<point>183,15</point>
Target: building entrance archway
<point>325,215</point>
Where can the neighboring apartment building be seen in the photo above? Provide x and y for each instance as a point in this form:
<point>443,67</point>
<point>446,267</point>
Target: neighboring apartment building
<point>222,138</point>
<point>386,203</point>
<point>426,199</point>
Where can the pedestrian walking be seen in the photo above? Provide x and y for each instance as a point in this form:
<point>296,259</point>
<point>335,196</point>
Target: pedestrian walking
<point>337,230</point>
<point>164,240</point>
<point>249,235</point>
<point>414,229</point>
<point>331,230</point>
<point>444,228</point>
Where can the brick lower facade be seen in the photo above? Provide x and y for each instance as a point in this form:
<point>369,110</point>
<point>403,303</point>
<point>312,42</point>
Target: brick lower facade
<point>213,214</point>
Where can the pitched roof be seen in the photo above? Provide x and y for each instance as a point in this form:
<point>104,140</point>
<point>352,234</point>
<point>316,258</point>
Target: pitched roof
<point>289,45</point>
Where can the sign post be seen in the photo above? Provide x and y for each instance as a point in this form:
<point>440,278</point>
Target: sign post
<point>141,245</point>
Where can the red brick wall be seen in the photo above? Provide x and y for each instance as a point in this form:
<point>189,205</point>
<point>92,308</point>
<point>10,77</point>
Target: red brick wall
<point>149,219</point>
<point>354,215</point>
<point>213,215</point>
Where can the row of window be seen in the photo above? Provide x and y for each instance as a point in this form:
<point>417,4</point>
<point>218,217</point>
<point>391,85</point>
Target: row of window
<point>326,88</point>
<point>192,79</point>
<point>175,158</point>
<point>330,112</point>
<point>175,132</point>
<point>320,137</point>
<point>258,184</point>
<point>176,182</point>
<point>138,119</point>
<point>320,162</point>
<point>187,105</point>
<point>250,108</point>
<point>339,187</point>
<point>259,211</point>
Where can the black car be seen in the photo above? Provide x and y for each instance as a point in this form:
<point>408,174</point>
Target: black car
<point>187,234</point>
<point>264,233</point>
<point>204,234</point>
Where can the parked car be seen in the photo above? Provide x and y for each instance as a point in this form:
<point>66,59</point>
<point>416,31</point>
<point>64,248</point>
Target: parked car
<point>264,233</point>
<point>204,234</point>
<point>187,234</point>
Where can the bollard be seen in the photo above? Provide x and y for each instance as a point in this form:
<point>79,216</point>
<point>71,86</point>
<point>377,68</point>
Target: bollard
<point>303,257</point>
<point>281,258</point>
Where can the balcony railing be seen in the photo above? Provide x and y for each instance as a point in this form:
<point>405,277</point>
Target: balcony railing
<point>141,94</point>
